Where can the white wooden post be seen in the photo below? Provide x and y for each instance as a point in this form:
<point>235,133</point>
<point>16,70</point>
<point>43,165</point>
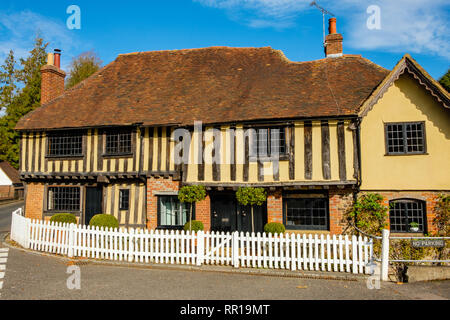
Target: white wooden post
<point>71,233</point>
<point>130,244</point>
<point>235,249</point>
<point>384,255</point>
<point>27,233</point>
<point>200,247</point>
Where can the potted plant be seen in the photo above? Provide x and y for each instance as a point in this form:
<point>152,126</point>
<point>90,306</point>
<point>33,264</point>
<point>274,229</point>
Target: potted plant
<point>414,227</point>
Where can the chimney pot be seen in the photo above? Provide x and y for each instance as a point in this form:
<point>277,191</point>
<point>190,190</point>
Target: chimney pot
<point>332,26</point>
<point>50,59</point>
<point>57,58</point>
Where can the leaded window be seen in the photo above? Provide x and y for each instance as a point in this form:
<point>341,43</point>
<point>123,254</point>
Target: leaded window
<point>404,212</point>
<point>65,144</point>
<point>118,142</point>
<point>306,213</point>
<point>124,199</point>
<point>63,199</point>
<point>172,212</point>
<point>269,142</point>
<point>405,138</point>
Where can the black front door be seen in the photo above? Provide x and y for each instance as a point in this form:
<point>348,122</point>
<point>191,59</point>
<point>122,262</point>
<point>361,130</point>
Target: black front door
<point>228,215</point>
<point>223,213</point>
<point>93,204</point>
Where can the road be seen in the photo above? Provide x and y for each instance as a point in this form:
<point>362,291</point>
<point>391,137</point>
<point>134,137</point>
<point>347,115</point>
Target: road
<point>34,276</point>
<point>5,215</point>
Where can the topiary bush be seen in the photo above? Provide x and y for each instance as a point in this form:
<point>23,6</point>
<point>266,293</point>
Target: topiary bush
<point>194,226</point>
<point>64,218</point>
<point>274,227</point>
<point>104,220</point>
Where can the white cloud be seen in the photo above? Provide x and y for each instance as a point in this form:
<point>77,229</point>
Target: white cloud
<point>18,31</point>
<point>417,26</point>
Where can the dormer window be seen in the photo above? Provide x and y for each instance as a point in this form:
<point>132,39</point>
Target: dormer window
<point>405,138</point>
<point>118,142</point>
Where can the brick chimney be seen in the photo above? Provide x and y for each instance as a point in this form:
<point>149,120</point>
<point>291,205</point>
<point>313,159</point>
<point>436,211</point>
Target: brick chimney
<point>333,41</point>
<point>52,82</point>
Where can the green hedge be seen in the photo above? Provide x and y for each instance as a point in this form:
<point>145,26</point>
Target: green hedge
<point>274,227</point>
<point>64,218</point>
<point>104,220</point>
<point>196,226</point>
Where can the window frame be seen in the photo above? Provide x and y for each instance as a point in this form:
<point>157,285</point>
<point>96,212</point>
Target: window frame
<point>121,207</point>
<point>158,213</point>
<point>282,155</point>
<point>53,210</point>
<point>308,196</point>
<point>405,139</point>
<point>424,215</point>
<point>61,134</point>
<point>118,132</point>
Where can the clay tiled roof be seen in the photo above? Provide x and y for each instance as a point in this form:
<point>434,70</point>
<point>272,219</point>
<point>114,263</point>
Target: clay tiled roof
<point>212,85</point>
<point>12,173</point>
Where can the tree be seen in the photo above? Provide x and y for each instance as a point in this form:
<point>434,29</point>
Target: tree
<point>251,196</point>
<point>82,67</point>
<point>191,194</point>
<point>445,81</point>
<point>8,79</point>
<point>25,100</point>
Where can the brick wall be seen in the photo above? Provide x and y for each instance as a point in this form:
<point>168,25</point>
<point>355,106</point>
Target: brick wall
<point>203,212</point>
<point>34,201</point>
<point>340,202</point>
<point>153,186</point>
<point>275,207</point>
<point>430,197</point>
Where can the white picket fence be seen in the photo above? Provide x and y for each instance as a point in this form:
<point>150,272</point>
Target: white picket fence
<point>290,251</point>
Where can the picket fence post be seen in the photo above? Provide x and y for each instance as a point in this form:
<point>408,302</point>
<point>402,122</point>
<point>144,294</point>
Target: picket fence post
<point>71,233</point>
<point>200,247</point>
<point>27,232</point>
<point>235,249</point>
<point>384,255</point>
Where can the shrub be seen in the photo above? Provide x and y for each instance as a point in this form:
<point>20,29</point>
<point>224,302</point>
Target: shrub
<point>274,227</point>
<point>104,220</point>
<point>64,218</point>
<point>194,226</point>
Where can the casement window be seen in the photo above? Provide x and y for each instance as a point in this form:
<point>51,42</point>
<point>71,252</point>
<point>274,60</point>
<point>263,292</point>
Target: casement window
<point>405,138</point>
<point>306,213</point>
<point>63,199</point>
<point>172,213</point>
<point>65,144</point>
<point>269,142</point>
<point>118,142</point>
<point>124,199</point>
<point>403,212</point>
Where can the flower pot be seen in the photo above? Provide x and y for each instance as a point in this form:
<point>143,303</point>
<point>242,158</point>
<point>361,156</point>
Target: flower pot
<point>414,229</point>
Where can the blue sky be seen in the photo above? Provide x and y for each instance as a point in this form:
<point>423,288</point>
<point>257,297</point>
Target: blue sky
<point>418,27</point>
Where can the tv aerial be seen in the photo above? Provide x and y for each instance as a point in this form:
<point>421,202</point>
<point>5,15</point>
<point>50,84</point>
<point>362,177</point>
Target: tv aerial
<point>324,12</point>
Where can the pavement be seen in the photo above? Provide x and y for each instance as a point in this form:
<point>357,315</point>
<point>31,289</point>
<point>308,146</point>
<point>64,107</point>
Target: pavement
<point>31,275</point>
